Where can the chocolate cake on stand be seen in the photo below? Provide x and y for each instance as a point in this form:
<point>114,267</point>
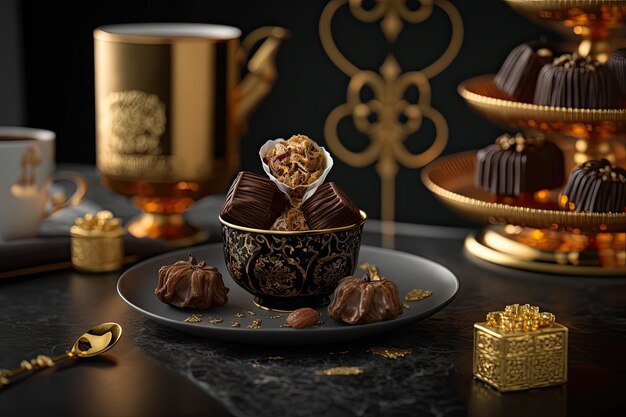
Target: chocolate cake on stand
<point>542,234</point>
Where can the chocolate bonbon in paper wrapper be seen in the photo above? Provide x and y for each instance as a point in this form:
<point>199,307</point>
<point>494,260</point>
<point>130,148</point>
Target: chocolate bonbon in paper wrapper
<point>297,166</point>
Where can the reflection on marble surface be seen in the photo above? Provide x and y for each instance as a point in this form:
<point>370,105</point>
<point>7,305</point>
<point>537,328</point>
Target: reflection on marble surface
<point>249,382</point>
<point>436,379</point>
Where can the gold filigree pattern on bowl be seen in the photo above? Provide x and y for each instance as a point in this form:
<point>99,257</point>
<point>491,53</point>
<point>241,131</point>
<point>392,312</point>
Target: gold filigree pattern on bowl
<point>286,270</point>
<point>451,179</point>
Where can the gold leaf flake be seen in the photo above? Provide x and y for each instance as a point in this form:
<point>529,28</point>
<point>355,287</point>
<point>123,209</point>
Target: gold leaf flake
<point>235,324</point>
<point>340,370</point>
<point>390,353</point>
<point>239,315</point>
<point>417,294</point>
<point>194,318</point>
<point>256,324</point>
<point>251,313</point>
<point>275,316</point>
<point>215,320</point>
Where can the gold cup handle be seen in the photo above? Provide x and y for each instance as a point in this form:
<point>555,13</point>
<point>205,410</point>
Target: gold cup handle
<point>261,69</point>
<point>75,199</point>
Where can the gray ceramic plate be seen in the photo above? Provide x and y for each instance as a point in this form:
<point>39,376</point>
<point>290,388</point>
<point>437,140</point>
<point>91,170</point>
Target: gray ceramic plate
<point>136,287</point>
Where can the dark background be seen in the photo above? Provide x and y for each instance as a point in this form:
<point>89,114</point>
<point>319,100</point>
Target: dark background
<point>57,60</point>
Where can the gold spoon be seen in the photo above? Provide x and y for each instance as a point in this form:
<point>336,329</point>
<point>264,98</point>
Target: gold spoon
<point>92,343</point>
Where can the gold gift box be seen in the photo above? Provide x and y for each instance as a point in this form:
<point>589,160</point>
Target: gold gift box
<point>515,351</point>
<point>96,243</point>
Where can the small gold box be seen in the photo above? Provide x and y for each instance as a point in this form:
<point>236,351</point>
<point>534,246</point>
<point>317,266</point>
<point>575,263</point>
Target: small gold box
<point>96,243</point>
<point>519,360</point>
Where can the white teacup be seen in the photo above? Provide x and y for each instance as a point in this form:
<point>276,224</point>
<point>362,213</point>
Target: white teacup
<point>26,171</point>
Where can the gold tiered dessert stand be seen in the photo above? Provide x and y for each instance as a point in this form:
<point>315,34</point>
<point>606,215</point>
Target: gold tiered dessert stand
<point>538,235</point>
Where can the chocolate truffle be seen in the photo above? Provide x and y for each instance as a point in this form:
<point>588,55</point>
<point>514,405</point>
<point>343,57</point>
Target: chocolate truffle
<point>189,284</point>
<point>330,207</point>
<point>253,201</point>
<point>519,164</point>
<point>291,219</point>
<point>617,65</point>
<point>365,300</point>
<point>573,81</point>
<point>598,186</point>
<point>518,75</point>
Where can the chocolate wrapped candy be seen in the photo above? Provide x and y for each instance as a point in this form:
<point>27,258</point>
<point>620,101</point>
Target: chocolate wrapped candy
<point>365,300</point>
<point>330,207</point>
<point>518,75</point>
<point>291,219</point>
<point>189,284</point>
<point>519,164</point>
<point>598,186</point>
<point>253,201</point>
<point>573,81</point>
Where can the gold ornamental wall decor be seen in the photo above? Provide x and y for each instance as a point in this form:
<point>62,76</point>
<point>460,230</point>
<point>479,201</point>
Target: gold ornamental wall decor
<point>395,118</point>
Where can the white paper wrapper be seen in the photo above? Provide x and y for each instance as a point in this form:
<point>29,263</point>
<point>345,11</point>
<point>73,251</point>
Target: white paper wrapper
<point>310,189</point>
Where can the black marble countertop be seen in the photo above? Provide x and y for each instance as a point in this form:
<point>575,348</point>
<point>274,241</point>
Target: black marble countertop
<point>156,371</point>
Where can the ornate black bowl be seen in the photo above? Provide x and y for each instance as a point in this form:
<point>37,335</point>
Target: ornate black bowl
<point>290,270</point>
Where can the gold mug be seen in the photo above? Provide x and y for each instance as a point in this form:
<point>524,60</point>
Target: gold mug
<point>169,111</point>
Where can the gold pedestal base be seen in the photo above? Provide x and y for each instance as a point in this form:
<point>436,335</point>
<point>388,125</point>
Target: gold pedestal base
<point>169,227</point>
<point>566,253</point>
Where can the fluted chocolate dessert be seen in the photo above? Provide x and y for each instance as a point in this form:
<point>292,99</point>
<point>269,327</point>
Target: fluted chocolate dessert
<point>573,81</point>
<point>291,219</point>
<point>191,284</point>
<point>253,201</point>
<point>330,207</point>
<point>617,65</point>
<point>598,186</point>
<point>518,75</point>
<point>369,299</point>
<point>519,164</point>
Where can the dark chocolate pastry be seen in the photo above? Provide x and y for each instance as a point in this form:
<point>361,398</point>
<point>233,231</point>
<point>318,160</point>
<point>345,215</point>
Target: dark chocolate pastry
<point>189,284</point>
<point>365,300</point>
<point>291,219</point>
<point>518,75</point>
<point>253,201</point>
<point>575,82</point>
<point>598,186</point>
<point>519,164</point>
<point>330,207</point>
<point>617,65</point>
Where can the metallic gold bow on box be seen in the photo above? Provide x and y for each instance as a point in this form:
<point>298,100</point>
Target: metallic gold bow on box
<point>520,318</point>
